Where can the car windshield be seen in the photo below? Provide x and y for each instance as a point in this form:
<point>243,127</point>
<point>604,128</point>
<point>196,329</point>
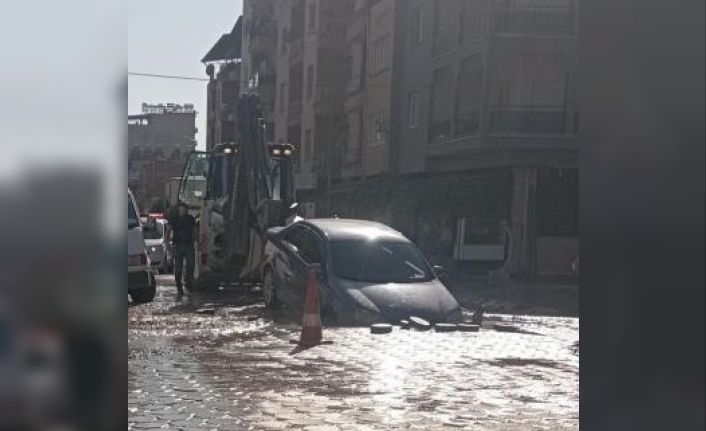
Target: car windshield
<point>378,261</point>
<point>153,230</point>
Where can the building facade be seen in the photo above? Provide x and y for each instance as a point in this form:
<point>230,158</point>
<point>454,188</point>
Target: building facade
<point>259,54</point>
<point>223,66</point>
<point>489,91</point>
<point>458,124</point>
<point>159,141</point>
<point>311,82</point>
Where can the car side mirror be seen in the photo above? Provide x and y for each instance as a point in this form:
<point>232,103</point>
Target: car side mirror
<point>440,271</point>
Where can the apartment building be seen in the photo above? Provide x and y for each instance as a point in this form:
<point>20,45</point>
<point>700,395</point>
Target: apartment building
<point>223,66</point>
<point>259,54</point>
<point>311,81</point>
<point>159,141</point>
<point>489,90</point>
<point>460,129</point>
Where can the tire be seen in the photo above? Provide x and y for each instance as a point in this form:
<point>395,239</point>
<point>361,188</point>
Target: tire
<point>380,328</point>
<point>419,323</point>
<point>269,289</point>
<point>143,296</point>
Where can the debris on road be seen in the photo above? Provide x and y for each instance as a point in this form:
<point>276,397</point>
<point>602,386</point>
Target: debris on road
<point>445,327</point>
<point>208,311</point>
<point>468,327</point>
<point>477,318</point>
<point>419,323</point>
<point>501,327</point>
<point>380,328</point>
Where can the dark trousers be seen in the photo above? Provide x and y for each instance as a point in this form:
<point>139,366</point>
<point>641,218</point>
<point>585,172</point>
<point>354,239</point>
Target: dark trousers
<point>184,256</point>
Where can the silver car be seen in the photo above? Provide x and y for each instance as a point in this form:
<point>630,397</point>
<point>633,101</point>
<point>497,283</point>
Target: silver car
<point>368,273</point>
<point>156,232</point>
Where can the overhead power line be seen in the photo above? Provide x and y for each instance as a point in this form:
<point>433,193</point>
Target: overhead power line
<point>157,75</point>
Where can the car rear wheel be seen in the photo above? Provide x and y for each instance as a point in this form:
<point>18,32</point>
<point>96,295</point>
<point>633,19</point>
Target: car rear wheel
<point>143,296</point>
<point>269,289</point>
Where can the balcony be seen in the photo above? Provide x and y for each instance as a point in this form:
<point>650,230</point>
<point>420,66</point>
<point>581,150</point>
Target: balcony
<point>439,130</point>
<point>355,84</point>
<point>533,119</point>
<point>445,40</point>
<point>559,20</point>
<point>467,124</point>
<point>296,50</point>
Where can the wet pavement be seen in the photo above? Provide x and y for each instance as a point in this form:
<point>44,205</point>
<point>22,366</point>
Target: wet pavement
<point>221,362</point>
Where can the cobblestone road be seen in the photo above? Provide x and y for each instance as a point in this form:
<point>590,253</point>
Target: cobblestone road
<point>222,363</point>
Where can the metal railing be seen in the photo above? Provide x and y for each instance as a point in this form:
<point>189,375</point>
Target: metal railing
<point>534,20</point>
<point>467,124</point>
<point>534,119</point>
<point>440,130</point>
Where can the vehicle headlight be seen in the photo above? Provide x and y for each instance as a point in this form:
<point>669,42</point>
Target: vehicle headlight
<point>153,249</point>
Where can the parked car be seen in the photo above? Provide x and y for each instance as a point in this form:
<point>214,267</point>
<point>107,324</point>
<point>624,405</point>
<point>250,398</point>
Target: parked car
<point>140,278</point>
<point>368,273</point>
<point>156,233</point>
<point>33,375</point>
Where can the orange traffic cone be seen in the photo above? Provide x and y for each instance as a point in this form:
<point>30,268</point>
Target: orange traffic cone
<point>311,319</point>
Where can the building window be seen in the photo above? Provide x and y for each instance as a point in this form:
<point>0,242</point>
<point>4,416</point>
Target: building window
<point>473,20</point>
<point>413,110</point>
<point>283,41</point>
<point>309,82</point>
<point>418,26</point>
<point>312,15</point>
<point>282,97</point>
<point>441,105</point>
<point>307,145</point>
<point>379,127</point>
<point>380,54</point>
<point>446,24</point>
<point>469,96</point>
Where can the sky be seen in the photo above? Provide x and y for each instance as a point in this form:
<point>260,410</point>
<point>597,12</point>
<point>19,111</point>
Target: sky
<point>170,37</point>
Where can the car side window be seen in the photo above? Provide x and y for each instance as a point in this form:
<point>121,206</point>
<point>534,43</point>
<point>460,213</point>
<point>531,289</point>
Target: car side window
<point>305,242</point>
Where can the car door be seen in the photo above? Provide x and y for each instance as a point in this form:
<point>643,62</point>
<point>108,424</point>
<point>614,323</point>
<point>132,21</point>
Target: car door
<point>301,251</point>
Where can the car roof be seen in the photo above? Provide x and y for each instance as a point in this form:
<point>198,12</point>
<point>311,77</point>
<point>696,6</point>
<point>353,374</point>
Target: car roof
<point>334,228</point>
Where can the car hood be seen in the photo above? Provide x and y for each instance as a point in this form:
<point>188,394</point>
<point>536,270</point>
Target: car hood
<point>394,301</point>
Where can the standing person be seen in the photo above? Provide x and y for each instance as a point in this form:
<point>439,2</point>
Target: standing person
<point>183,224</point>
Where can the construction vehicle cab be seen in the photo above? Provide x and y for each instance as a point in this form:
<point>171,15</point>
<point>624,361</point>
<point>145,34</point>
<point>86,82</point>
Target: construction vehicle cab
<point>237,191</point>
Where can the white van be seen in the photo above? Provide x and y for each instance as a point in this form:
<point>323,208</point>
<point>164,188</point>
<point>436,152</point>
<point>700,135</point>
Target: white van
<point>140,279</point>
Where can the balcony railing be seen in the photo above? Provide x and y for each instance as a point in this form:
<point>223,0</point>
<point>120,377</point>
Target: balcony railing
<point>534,20</point>
<point>532,119</point>
<point>444,41</point>
<point>467,124</point>
<point>439,130</point>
